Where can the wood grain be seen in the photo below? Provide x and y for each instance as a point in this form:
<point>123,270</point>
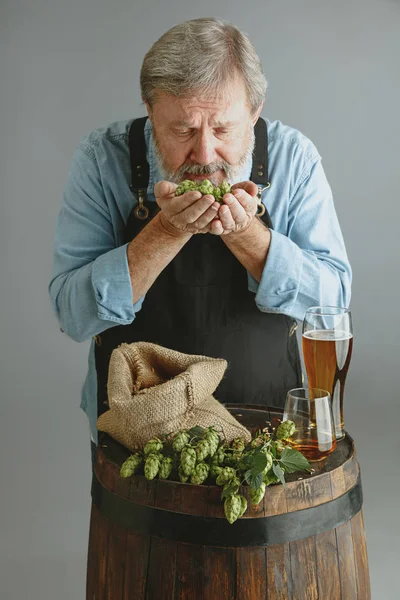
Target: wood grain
<point>361,557</point>
<point>279,576</point>
<point>251,577</point>
<point>304,569</point>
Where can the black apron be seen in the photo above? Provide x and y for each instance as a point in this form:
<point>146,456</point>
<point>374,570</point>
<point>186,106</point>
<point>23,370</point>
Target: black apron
<point>200,304</point>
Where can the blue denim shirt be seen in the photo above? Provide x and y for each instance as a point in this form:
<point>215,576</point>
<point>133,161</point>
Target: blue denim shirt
<point>91,288</point>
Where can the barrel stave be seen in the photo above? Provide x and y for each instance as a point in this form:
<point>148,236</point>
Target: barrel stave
<point>327,565</point>
<point>219,574</point>
<point>361,557</point>
<point>161,570</point>
<point>137,554</point>
<point>251,575</point>
<point>303,569</point>
<point>279,578</point>
<point>189,572</point>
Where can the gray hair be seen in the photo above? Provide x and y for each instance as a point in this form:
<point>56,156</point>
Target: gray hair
<point>201,56</point>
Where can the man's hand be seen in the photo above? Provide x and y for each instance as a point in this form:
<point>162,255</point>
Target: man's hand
<point>237,210</point>
<point>189,213</point>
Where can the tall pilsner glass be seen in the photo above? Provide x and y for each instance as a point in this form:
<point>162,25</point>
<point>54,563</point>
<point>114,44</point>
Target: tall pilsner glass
<point>327,348</point>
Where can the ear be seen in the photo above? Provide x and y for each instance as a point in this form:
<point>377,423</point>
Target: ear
<point>257,113</point>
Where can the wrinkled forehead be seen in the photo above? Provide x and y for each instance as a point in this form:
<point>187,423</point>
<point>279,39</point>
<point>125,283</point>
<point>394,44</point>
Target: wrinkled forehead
<point>224,107</point>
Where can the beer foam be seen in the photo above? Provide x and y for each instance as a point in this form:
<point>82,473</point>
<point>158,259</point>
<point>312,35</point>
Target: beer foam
<point>328,335</point>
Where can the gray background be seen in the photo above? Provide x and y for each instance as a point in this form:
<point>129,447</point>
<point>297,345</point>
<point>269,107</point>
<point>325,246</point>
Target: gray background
<point>68,67</point>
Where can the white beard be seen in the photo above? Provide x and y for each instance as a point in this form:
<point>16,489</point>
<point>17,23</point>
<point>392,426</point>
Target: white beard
<point>234,173</point>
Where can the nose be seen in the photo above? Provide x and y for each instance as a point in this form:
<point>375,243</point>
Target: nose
<point>203,151</point>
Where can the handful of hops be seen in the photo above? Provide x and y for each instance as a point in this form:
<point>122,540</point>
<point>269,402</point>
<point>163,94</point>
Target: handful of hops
<point>205,187</point>
<point>199,455</point>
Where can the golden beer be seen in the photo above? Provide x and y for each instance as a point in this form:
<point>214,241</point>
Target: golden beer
<point>327,355</point>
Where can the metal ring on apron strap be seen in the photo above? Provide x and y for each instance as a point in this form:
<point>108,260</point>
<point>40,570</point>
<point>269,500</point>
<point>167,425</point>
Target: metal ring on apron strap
<point>141,211</point>
<point>260,205</point>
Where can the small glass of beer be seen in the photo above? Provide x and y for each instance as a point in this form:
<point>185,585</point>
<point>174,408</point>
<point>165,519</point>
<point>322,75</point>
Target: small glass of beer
<point>327,347</point>
<point>311,412</point>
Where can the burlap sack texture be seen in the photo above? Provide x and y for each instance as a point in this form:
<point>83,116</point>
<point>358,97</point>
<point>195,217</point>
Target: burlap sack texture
<point>154,391</point>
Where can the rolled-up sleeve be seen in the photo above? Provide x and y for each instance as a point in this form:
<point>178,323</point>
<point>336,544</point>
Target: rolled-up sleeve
<point>307,266</point>
<point>90,287</point>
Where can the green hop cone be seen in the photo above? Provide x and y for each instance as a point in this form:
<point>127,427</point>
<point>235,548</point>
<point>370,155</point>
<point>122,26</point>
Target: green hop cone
<point>131,464</point>
<point>213,440</point>
<point>257,442</point>
<point>285,430</point>
<point>188,460</point>
<point>233,486</point>
<point>185,186</point>
<point>257,495</point>
<point>215,470</point>
<point>200,473</point>
<point>226,475</point>
<point>270,478</point>
<point>243,508</point>
<point>217,194</point>
<point>279,446</point>
<point>153,446</point>
<point>202,450</point>
<point>165,468</point>
<point>151,466</point>
<point>238,444</point>
<point>220,456</point>
<point>206,187</point>
<point>180,440</point>
<point>232,458</point>
<point>270,460</point>
<point>233,508</point>
<point>182,477</point>
<point>225,188</point>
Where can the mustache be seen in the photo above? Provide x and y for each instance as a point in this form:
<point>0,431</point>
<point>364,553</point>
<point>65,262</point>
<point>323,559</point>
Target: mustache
<point>195,169</point>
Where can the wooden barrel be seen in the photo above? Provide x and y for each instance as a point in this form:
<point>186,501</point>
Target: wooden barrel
<point>164,540</point>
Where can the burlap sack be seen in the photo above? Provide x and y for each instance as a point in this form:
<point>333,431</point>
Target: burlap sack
<point>153,391</point>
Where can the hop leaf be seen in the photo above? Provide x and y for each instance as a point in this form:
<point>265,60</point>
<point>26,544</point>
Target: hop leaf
<point>279,473</point>
<point>293,460</point>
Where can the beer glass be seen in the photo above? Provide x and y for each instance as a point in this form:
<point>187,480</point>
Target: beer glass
<point>311,412</point>
<point>327,347</point>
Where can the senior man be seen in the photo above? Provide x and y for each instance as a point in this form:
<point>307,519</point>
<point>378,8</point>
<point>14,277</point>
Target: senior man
<point>134,262</point>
